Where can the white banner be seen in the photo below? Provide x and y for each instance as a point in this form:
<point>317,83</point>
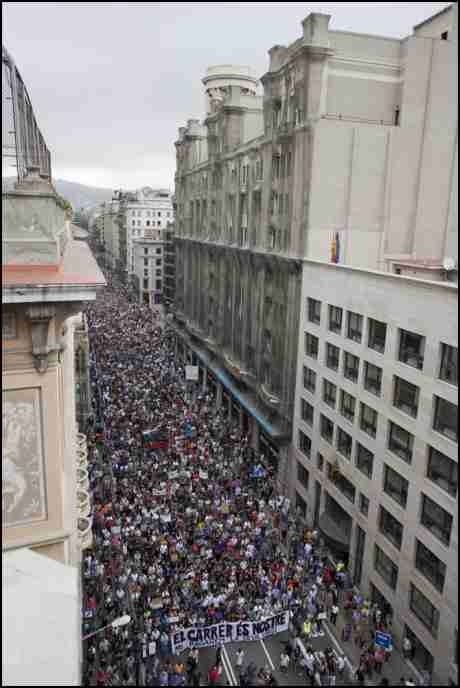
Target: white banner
<point>227,632</point>
<point>191,373</point>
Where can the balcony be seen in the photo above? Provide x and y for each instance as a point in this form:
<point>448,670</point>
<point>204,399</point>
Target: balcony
<point>235,368</point>
<point>285,132</point>
<point>85,533</point>
<point>83,503</point>
<point>82,479</point>
<point>268,397</point>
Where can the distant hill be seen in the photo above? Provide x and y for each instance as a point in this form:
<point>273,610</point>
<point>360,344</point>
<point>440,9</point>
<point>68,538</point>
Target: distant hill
<point>79,195</point>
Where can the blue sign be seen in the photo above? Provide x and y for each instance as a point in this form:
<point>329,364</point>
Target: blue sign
<point>383,639</point>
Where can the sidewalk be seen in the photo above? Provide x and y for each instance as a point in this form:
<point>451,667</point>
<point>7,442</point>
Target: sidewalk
<point>393,670</point>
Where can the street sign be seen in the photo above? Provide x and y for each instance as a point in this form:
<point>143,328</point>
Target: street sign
<point>383,639</point>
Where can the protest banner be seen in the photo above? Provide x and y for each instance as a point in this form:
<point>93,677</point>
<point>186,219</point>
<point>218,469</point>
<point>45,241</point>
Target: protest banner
<point>228,632</point>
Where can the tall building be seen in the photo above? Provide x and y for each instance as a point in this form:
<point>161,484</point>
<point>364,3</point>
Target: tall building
<point>342,159</point>
<point>148,256</point>
<point>47,276</point>
<point>374,462</point>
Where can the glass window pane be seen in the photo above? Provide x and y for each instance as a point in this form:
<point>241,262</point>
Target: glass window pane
<point>395,486</point>
<point>411,349</point>
<point>446,418</point>
<point>443,471</point>
<point>449,364</point>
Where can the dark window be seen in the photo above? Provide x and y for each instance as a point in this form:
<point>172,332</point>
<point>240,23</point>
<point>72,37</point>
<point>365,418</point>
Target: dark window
<point>147,224</point>
<point>342,483</point>
<point>411,349</point>
<point>363,504</point>
<point>158,262</point>
<point>443,471</point>
<point>390,527</point>
<point>401,442</point>
<point>424,610</point>
<point>320,461</point>
<point>348,406</point>
<point>385,567</point>
<point>301,505</point>
<point>158,251</point>
<point>303,476</point>
<point>373,379</point>
<point>159,285</point>
<point>449,364</point>
<point>396,123</point>
<point>311,345</point>
<point>314,311</point>
<point>446,418</point>
<point>332,356</point>
<point>335,319</point>
<point>355,327</point>
<point>146,251</point>
<point>444,35</point>
<point>422,658</point>
<point>146,262</point>
<point>351,367</point>
<point>329,394</point>
<point>395,486</point>
<point>377,335</point>
<point>430,566</point>
<point>307,412</point>
<point>368,421</point>
<point>309,379</point>
<point>365,461</point>
<point>436,520</point>
<point>327,429</point>
<point>304,444</point>
<point>406,397</point>
<point>344,443</point>
<point>146,284</point>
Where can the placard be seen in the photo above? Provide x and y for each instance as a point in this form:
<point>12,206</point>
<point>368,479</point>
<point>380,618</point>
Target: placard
<point>192,373</point>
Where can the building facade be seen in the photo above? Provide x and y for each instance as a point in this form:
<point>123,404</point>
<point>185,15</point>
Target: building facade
<point>374,462</point>
<point>149,257</point>
<point>341,159</point>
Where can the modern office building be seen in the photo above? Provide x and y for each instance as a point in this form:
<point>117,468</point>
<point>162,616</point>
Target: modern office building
<point>342,159</point>
<point>374,462</point>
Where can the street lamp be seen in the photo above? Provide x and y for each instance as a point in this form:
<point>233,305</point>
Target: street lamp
<point>116,623</point>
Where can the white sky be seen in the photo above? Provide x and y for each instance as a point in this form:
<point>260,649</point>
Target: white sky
<point>112,82</point>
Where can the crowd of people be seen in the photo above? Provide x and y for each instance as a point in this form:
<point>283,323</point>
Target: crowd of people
<point>188,529</point>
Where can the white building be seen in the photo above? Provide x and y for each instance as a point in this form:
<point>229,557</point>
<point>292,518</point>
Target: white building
<point>148,257</point>
<point>375,456</point>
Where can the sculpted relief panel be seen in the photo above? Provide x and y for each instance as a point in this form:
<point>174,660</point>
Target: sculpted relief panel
<point>23,473</point>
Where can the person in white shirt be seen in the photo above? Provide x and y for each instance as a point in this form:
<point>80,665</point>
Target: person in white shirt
<point>239,660</point>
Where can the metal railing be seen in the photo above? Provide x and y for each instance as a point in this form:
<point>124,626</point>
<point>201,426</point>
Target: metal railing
<point>23,145</point>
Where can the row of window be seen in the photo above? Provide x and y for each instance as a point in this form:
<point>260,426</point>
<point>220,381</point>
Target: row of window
<point>406,396</point>
<point>147,223</point>
<point>149,213</point>
<point>411,345</point>
<point>442,470</point>
<point>157,251</point>
<point>158,284</point>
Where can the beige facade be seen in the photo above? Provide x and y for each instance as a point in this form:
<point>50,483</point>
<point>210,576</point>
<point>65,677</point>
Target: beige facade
<point>374,462</point>
<point>344,144</point>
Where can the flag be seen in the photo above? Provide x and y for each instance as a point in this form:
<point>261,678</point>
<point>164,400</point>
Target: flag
<point>335,249</point>
<point>155,439</point>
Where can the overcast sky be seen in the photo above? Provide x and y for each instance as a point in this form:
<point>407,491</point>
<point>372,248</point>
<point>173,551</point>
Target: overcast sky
<point>111,82</point>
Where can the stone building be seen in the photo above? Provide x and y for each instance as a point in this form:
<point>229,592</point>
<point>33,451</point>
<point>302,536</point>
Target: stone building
<point>341,158</point>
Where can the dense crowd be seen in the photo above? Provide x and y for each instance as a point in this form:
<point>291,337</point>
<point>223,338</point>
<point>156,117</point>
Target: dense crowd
<point>190,532</point>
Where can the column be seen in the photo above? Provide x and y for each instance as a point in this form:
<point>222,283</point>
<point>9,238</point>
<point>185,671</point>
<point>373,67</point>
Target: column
<point>219,395</point>
<point>254,432</point>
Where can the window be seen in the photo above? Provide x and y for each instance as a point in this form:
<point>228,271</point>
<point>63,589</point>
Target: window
<point>411,349</point>
<point>9,330</point>
<point>344,443</point>
<point>146,262</point>
<point>329,394</point>
<point>341,482</point>
<point>401,442</point>
<point>146,252</point>
<point>303,476</point>
<point>406,397</point>
<point>385,567</point>
<point>335,319</point>
<point>377,335</point>
<point>430,566</point>
<point>301,505</point>
<point>159,214</point>
<point>304,444</point>
<point>158,262</point>
<point>424,610</point>
<point>449,364</point>
<point>373,379</point>
<point>332,356</point>
<point>307,412</point>
<point>314,311</point>
<point>158,273</point>
<point>320,461</point>
<point>146,284</point>
<point>311,345</point>
<point>348,406</point>
<point>395,486</point>
<point>365,461</point>
<point>390,527</point>
<point>146,273</point>
<point>436,520</point>
<point>159,285</point>
<point>446,419</point>
<point>368,422</point>
<point>327,429</point>
<point>444,35</point>
<point>159,223</point>
<point>147,224</point>
<point>133,222</point>
<point>443,471</point>
<point>309,379</point>
<point>422,658</point>
<point>351,367</point>
<point>355,327</point>
<point>363,504</point>
<point>158,251</point>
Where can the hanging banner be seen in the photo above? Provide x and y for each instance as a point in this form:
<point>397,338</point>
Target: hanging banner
<point>228,632</point>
